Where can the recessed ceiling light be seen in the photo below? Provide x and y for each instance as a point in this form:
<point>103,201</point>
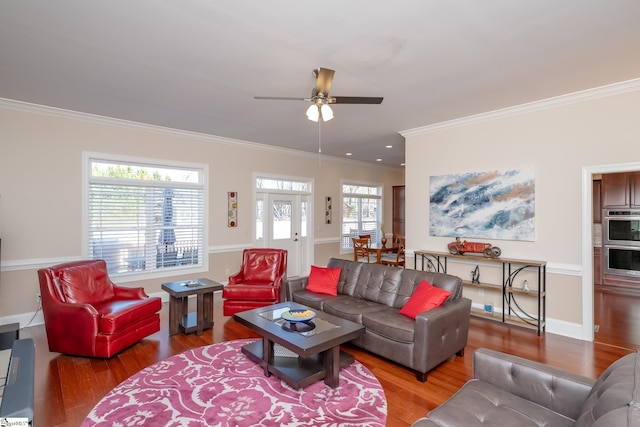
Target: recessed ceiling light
<point>349,154</point>
<point>378,160</point>
<point>389,146</point>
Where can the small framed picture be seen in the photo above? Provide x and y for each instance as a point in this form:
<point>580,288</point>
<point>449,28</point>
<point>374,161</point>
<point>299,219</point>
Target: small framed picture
<point>232,197</point>
<point>327,210</point>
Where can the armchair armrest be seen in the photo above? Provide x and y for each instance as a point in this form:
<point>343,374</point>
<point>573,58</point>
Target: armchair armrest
<point>556,389</point>
<point>294,285</point>
<point>74,326</point>
<point>123,292</point>
<point>236,278</point>
<point>441,332</point>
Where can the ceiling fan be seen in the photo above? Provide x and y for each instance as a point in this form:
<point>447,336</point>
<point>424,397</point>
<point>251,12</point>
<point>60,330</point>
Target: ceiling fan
<point>320,97</point>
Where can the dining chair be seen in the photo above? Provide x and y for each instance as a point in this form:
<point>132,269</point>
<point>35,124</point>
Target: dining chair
<point>361,250</point>
<point>365,236</point>
<point>397,238</point>
<point>397,258</point>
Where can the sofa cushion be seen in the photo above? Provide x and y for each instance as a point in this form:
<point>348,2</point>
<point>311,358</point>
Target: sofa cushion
<point>314,300</point>
<point>424,298</point>
<point>378,283</point>
<point>324,280</point>
<point>85,283</point>
<point>348,274</point>
<point>351,308</point>
<point>617,387</point>
<point>479,403</point>
<point>120,314</point>
<point>389,324</point>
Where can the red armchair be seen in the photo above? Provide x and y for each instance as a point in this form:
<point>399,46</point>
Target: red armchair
<point>86,314</point>
<point>258,282</point>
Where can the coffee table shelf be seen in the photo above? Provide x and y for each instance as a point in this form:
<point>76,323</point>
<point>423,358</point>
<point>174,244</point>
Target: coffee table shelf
<point>298,372</point>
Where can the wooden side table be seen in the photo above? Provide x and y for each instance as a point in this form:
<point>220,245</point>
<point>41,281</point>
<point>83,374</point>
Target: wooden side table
<point>180,319</point>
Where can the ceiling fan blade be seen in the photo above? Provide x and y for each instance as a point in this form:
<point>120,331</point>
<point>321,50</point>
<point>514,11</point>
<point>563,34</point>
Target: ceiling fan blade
<point>323,81</point>
<point>355,100</point>
<point>281,98</point>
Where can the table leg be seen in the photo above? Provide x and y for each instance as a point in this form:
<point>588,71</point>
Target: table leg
<point>332,366</point>
<point>200,313</point>
<point>208,309</point>
<point>175,315</point>
<point>267,355</point>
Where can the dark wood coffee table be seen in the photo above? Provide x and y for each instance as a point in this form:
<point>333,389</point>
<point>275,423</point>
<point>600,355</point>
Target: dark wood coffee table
<point>180,319</point>
<point>314,354</point>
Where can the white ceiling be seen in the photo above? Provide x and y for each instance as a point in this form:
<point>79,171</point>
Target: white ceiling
<point>196,65</point>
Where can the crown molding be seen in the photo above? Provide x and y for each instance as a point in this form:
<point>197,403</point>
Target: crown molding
<point>558,101</point>
<point>28,107</point>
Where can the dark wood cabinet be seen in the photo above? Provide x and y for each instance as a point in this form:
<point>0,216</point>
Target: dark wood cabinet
<point>634,189</point>
<point>597,201</point>
<point>597,266</point>
<point>621,190</point>
<point>398,209</point>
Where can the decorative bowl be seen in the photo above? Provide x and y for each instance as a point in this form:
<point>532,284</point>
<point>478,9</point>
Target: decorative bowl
<point>296,315</point>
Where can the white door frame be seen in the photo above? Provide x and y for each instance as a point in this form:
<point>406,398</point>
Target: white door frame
<point>588,321</point>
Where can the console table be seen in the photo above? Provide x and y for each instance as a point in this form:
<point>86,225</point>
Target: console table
<point>512,311</point>
<point>180,319</point>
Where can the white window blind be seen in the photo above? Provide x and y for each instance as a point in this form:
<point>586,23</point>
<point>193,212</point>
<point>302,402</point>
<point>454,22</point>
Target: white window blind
<point>144,218</point>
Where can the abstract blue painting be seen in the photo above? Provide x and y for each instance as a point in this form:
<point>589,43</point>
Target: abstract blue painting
<point>488,205</point>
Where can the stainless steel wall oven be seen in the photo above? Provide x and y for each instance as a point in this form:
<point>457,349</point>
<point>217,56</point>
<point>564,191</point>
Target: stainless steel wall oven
<point>621,229</point>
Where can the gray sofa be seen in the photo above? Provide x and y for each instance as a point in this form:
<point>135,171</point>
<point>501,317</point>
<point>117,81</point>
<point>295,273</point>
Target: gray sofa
<point>511,391</point>
<point>373,294</point>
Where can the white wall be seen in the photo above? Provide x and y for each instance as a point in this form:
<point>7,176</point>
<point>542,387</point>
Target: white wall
<point>559,138</point>
<point>41,189</point>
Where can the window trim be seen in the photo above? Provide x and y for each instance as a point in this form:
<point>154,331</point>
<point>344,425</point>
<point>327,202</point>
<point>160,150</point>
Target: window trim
<point>89,156</point>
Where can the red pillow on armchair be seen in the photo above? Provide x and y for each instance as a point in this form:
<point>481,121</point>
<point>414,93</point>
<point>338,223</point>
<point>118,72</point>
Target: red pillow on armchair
<point>323,280</point>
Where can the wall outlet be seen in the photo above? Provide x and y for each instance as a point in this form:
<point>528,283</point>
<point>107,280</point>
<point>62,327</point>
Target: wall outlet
<point>227,272</point>
<point>38,298</point>
<point>481,292</point>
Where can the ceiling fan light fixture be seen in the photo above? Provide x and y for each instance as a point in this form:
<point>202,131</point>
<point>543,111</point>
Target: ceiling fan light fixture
<point>327,112</point>
<point>313,113</point>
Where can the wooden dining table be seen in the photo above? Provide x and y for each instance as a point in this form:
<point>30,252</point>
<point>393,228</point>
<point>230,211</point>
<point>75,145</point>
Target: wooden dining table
<point>379,249</point>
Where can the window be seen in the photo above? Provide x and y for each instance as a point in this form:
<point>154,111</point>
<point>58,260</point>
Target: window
<point>143,217</point>
<point>361,212</point>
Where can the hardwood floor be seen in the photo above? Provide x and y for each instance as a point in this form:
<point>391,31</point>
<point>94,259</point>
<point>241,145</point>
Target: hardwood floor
<point>67,387</point>
<point>617,316</point>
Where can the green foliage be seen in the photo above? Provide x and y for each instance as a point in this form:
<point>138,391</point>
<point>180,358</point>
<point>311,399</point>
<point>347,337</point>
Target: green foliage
<point>128,172</point>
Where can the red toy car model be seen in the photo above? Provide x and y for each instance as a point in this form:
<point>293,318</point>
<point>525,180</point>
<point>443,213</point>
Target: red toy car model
<point>461,247</point>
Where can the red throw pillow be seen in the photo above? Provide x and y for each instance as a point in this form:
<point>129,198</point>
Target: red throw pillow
<point>424,298</point>
<point>324,280</point>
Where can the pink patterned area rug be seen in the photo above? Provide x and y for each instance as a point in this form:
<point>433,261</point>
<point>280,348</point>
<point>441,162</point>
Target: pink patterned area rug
<point>217,385</point>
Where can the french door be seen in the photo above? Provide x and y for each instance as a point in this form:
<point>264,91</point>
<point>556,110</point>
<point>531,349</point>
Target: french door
<point>286,226</point>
